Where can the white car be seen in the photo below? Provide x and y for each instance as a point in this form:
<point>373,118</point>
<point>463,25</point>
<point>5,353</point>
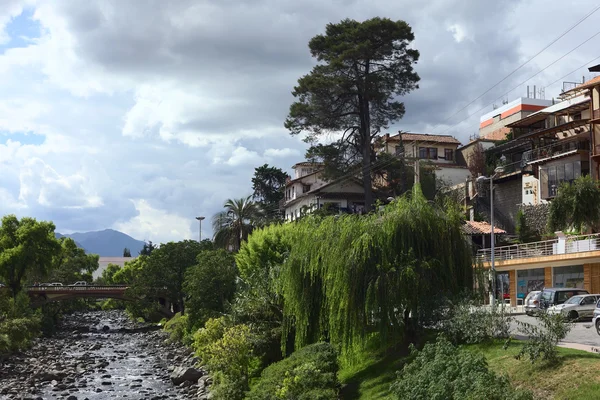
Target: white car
<point>576,307</point>
<point>80,283</point>
<point>532,302</point>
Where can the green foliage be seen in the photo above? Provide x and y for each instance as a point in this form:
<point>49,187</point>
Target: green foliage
<point>524,232</point>
<point>337,159</point>
<point>227,352</point>
<point>19,324</point>
<point>233,225</point>
<point>268,184</point>
<point>356,84</point>
<point>576,206</point>
<point>467,323</point>
<point>148,248</point>
<point>27,247</point>
<point>72,264</point>
<point>126,252</point>
<point>210,286</point>
<point>443,372</point>
<point>178,327</point>
<point>307,374</point>
<point>108,275</point>
<point>543,337</point>
<point>346,276</point>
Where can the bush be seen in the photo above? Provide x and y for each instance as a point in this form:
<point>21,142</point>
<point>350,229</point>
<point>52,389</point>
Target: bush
<point>442,371</point>
<point>19,324</point>
<point>177,327</point>
<point>543,338</point>
<point>468,323</point>
<point>307,374</point>
<point>227,351</point>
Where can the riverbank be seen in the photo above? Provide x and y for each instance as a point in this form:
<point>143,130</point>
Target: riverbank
<point>99,355</point>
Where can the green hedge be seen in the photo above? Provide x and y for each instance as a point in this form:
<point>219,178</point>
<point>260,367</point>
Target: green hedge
<point>308,374</point>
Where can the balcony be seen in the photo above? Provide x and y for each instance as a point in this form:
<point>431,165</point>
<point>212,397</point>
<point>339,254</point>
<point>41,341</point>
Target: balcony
<point>553,151</point>
<point>595,115</point>
<point>569,245</point>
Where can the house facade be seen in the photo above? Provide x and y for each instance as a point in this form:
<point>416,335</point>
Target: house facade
<point>308,191</point>
<point>438,151</point>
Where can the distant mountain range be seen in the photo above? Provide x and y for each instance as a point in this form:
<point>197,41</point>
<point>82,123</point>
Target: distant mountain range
<point>106,243</point>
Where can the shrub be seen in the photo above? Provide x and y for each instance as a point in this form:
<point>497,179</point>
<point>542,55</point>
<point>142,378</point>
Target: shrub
<point>543,338</point>
<point>227,351</point>
<point>442,371</point>
<point>20,331</point>
<point>177,327</point>
<point>307,374</point>
<point>468,323</point>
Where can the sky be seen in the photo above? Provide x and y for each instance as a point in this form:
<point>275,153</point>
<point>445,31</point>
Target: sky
<point>141,115</point>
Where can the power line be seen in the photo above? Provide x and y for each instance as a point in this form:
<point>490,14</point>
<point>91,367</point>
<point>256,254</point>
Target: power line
<point>522,65</point>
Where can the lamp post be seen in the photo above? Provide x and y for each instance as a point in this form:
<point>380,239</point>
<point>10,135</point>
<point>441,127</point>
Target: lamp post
<point>200,231</point>
<point>497,171</point>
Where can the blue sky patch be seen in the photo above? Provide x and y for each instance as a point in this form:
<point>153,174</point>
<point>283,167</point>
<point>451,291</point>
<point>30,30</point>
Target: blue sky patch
<point>21,30</point>
<point>22,137</point>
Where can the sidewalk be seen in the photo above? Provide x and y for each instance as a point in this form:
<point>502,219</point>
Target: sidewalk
<point>577,346</point>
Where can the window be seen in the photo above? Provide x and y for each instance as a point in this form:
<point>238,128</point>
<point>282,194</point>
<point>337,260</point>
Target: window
<point>449,154</point>
<point>428,153</point>
<point>568,277</point>
<point>305,188</point>
<point>399,150</point>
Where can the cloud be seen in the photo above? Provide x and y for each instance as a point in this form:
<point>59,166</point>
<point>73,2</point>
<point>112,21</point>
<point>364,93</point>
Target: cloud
<point>156,225</point>
<point>173,104</point>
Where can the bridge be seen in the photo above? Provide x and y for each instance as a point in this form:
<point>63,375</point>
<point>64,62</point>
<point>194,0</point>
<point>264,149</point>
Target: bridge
<point>40,295</point>
<point>44,294</point>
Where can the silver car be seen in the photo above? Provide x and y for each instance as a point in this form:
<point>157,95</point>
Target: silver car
<point>577,307</point>
<point>532,302</point>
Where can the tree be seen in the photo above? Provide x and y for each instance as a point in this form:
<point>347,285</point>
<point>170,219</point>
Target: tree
<point>72,264</point>
<point>268,184</point>
<point>477,162</point>
<point>165,269</point>
<point>576,206</point>
<point>147,249</point>
<point>363,67</point>
<point>233,225</point>
<point>26,247</point>
<point>127,252</point>
<point>524,232</point>
<point>108,275</point>
<point>210,285</point>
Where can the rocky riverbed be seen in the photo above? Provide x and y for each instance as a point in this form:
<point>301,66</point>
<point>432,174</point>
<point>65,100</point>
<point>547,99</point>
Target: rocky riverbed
<point>103,355</point>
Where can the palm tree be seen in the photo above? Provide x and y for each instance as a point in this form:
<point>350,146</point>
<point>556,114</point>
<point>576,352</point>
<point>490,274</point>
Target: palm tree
<point>234,224</point>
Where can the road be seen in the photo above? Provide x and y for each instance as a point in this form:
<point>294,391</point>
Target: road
<point>582,332</point>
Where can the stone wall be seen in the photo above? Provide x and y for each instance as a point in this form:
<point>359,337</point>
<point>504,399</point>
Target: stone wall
<point>536,216</point>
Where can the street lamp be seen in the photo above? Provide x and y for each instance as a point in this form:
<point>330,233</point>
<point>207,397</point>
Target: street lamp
<point>200,231</point>
<point>497,171</point>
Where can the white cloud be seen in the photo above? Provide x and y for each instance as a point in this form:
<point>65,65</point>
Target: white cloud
<point>458,32</point>
<point>156,225</point>
<point>282,153</point>
<point>242,156</point>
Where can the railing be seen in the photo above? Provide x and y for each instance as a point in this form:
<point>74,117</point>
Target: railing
<point>554,149</point>
<point>88,288</point>
<point>572,244</point>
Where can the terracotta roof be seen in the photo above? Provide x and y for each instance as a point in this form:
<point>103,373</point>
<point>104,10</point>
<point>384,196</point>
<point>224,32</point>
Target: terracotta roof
<point>423,137</point>
<point>480,228</point>
<point>498,134</point>
<point>308,164</point>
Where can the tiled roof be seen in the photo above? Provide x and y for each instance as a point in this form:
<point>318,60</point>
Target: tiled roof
<point>498,134</point>
<point>423,137</point>
<point>480,228</point>
<point>308,164</point>
<point>592,82</point>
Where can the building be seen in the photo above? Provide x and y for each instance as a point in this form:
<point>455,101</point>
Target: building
<point>493,125</point>
<point>104,261</point>
<point>308,191</point>
<point>438,151</point>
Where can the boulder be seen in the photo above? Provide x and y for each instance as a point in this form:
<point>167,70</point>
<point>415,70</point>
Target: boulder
<point>45,376</point>
<point>182,374</point>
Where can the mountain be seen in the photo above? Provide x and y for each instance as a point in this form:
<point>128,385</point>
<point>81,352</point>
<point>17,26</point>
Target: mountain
<point>106,243</point>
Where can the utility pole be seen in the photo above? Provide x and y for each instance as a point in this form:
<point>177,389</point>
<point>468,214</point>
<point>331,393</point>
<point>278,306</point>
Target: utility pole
<point>200,231</point>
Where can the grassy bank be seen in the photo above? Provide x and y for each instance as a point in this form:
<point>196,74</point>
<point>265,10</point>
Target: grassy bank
<point>576,376</point>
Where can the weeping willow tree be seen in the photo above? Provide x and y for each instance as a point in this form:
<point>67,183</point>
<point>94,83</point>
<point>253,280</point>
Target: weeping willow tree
<point>347,276</point>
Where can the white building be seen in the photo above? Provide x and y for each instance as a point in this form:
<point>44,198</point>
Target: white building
<point>104,261</point>
<point>308,192</point>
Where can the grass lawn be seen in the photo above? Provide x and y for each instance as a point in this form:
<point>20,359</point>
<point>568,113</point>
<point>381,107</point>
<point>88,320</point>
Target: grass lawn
<point>577,376</point>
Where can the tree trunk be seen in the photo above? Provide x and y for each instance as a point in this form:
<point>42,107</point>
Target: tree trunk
<point>366,172</point>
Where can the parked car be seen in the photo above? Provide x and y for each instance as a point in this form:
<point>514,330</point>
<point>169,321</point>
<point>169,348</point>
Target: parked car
<point>54,284</point>
<point>532,302</point>
<point>596,317</point>
<point>576,307</point>
<point>80,283</point>
<point>555,296</point>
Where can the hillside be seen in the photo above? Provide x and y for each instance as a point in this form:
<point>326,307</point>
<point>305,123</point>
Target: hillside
<point>106,243</point>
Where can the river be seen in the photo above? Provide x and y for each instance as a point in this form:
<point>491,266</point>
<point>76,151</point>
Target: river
<point>99,355</point>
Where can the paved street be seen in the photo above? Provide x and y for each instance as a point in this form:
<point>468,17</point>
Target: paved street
<point>582,332</point>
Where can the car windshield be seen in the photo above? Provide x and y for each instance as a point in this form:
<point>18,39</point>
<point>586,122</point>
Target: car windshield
<point>574,300</point>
